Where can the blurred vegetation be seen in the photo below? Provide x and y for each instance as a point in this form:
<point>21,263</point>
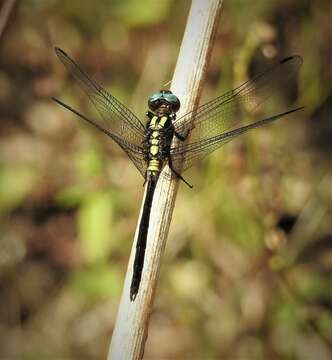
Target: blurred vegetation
<point>247,269</point>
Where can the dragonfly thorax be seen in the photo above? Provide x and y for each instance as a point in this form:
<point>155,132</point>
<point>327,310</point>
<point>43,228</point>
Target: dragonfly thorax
<point>157,142</point>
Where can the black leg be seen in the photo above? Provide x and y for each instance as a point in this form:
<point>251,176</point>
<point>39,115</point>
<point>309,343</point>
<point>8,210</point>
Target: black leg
<point>177,174</point>
<point>145,178</point>
<point>180,137</point>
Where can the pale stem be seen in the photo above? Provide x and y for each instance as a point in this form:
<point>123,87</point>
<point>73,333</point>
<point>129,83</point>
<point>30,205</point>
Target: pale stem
<point>131,327</point>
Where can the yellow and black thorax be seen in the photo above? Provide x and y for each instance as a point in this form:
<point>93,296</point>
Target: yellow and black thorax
<point>157,142</point>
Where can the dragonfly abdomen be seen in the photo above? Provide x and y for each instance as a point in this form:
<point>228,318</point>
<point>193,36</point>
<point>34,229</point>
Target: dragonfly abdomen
<point>156,146</point>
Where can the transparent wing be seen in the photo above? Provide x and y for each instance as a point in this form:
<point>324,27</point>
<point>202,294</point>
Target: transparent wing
<point>114,116</point>
<point>222,118</point>
<point>135,152</point>
<point>183,156</point>
<point>218,115</point>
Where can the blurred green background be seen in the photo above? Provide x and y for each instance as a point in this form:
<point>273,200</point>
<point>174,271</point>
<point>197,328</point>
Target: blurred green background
<point>247,268</point>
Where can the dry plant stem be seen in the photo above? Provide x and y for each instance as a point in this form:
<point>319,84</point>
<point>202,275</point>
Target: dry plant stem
<point>131,326</point>
<point>4,14</point>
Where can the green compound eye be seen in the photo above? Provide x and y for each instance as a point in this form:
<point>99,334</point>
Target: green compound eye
<point>172,99</point>
<point>164,96</point>
<point>155,96</point>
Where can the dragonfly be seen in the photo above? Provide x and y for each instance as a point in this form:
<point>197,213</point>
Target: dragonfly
<point>177,142</point>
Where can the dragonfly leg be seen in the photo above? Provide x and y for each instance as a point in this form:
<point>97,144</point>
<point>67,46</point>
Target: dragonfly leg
<point>182,137</point>
<point>177,174</point>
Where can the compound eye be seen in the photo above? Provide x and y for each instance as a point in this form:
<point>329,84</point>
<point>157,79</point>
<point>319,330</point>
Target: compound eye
<point>176,105</point>
<point>164,97</point>
<point>173,101</point>
<point>154,101</point>
<point>154,104</point>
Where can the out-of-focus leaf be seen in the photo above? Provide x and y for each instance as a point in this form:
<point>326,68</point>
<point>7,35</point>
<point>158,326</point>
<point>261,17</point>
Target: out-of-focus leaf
<point>325,323</point>
<point>285,314</point>
<point>15,184</point>
<point>135,13</point>
<point>237,221</point>
<point>89,162</point>
<point>95,226</point>
<point>310,284</point>
<point>97,282</point>
<point>70,196</point>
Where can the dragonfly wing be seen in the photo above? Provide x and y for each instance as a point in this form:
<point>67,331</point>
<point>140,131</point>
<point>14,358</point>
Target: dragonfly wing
<point>226,111</point>
<point>183,156</point>
<point>135,152</point>
<point>114,116</point>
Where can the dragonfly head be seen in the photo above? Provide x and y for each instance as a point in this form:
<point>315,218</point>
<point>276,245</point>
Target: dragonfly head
<point>164,102</point>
